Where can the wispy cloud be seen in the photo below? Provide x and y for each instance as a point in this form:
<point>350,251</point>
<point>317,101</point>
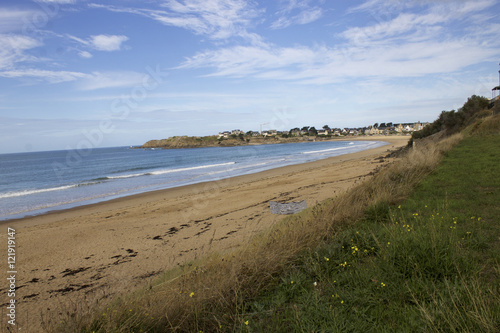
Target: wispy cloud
<point>83,81</point>
<point>217,19</point>
<point>381,8</point>
<point>12,20</point>
<point>101,42</point>
<point>110,79</point>
<point>296,12</point>
<point>14,49</point>
<point>323,65</point>
<point>427,24</point>
<point>85,54</point>
<point>425,42</point>
<point>17,63</point>
<point>242,61</point>
<point>60,2</point>
<point>43,75</point>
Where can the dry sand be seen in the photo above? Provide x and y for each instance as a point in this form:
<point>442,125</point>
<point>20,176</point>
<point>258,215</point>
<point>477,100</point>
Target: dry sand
<point>104,249</point>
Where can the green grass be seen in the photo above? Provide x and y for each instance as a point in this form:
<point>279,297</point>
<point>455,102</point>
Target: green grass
<point>366,261</point>
<point>430,264</point>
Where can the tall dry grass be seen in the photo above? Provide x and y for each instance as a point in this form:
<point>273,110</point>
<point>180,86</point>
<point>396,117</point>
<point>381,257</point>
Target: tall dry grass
<point>486,126</point>
<point>203,295</point>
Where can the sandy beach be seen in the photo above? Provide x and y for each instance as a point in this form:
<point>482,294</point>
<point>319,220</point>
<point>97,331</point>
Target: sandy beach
<point>104,249</point>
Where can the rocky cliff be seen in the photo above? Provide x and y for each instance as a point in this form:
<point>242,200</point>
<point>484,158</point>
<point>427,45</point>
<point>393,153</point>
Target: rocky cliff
<point>214,141</point>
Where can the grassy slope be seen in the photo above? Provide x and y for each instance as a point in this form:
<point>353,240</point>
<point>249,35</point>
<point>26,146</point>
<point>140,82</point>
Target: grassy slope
<point>430,264</point>
<point>357,263</point>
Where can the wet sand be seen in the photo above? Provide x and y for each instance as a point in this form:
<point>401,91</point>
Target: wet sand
<point>104,249</point>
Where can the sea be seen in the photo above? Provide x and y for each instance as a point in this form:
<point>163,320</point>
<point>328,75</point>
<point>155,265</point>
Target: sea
<point>35,183</point>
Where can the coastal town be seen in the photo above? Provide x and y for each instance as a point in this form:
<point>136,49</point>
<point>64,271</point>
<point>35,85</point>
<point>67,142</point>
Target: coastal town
<point>326,131</point>
<point>238,137</point>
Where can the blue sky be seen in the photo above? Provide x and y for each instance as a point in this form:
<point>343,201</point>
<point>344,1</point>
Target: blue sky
<point>84,74</point>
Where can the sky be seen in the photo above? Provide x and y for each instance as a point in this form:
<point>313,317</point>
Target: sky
<point>78,74</point>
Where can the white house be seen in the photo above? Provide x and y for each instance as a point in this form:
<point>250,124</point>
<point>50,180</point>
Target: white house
<point>323,132</point>
<point>269,133</point>
<point>224,134</point>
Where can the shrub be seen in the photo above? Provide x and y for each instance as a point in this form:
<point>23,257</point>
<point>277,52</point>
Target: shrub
<point>454,121</point>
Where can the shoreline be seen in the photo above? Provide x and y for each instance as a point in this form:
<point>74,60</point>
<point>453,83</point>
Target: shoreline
<point>74,207</point>
<point>82,254</point>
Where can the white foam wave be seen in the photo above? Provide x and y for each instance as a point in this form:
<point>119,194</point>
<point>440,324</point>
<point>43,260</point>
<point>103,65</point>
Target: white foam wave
<point>162,172</point>
<point>29,192</point>
<point>324,150</point>
<point>127,176</point>
<point>247,166</point>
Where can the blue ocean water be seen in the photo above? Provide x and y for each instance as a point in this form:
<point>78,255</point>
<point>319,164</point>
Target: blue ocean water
<point>35,183</point>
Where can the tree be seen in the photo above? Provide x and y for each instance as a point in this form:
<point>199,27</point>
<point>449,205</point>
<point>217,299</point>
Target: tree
<point>473,105</point>
<point>327,128</point>
<point>453,121</point>
<point>375,125</point>
<point>313,131</point>
<point>294,131</point>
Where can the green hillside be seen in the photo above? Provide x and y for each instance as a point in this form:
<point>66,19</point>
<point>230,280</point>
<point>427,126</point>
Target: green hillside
<point>416,248</point>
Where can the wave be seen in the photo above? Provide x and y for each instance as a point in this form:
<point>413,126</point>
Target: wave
<point>248,166</point>
<point>103,179</point>
<point>351,144</point>
<point>149,167</point>
<point>325,150</point>
<point>162,172</point>
<point>43,190</point>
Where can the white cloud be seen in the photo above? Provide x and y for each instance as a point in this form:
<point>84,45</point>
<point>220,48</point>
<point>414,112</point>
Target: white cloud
<point>309,15</point>
<point>116,79</point>
<point>304,17</point>
<point>60,2</point>
<point>45,75</point>
<point>107,42</point>
<point>14,19</point>
<point>217,19</point>
<point>85,54</point>
<point>424,42</point>
<point>240,61</point>
<point>424,25</point>
<point>382,8</point>
<point>377,6</point>
<point>83,81</point>
<point>296,12</point>
<point>323,65</point>
<point>14,49</point>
